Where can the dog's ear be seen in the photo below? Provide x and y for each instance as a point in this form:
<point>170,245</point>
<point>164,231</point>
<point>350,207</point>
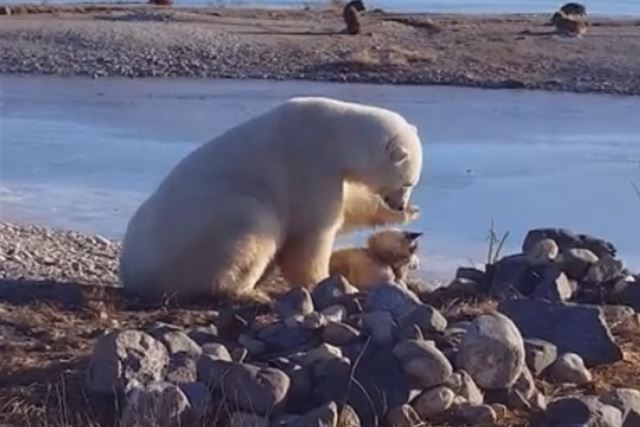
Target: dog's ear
<point>412,235</point>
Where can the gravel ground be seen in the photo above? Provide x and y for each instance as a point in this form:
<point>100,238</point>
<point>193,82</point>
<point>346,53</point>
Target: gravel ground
<point>508,51</point>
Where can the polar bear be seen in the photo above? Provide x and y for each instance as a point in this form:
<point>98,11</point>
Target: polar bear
<point>387,257</point>
<point>271,190</point>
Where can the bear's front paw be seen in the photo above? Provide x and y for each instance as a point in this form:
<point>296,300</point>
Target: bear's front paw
<point>411,213</point>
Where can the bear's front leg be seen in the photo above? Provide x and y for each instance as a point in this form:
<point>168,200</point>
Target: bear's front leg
<point>364,209</point>
<point>305,261</point>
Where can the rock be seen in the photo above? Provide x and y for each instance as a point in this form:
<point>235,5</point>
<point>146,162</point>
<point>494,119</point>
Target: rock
<point>427,318</point>
<point>544,250</point>
<point>569,368</point>
<point>204,334</point>
<point>554,285</point>
<point>513,276</point>
<point>314,321</point>
<point>331,380</point>
<point>296,301</point>
<point>492,352</point>
<point>301,384</point>
<point>245,419</point>
<point>382,385</point>
<point>182,369</point>
<point>379,326</point>
<point>216,351</point>
<point>473,274</point>
<point>158,404</point>
<point>567,240</point>
<point>575,262</point>
<point>625,399</point>
<point>322,352</point>
<point>253,346</point>
<point>463,385</point>
<point>324,416</point>
<point>582,411</point>
<point>348,417</point>
<point>539,354</point>
<point>335,313</point>
<point>248,387</point>
<point>179,342</point>
<point>631,419</point>
<point>280,337</point>
<point>331,291</point>
<point>475,414</point>
<point>606,270</point>
<point>392,298</point>
<point>339,333</point>
<point>403,416</point>
<point>433,402</point>
<point>198,396</point>
<point>519,395</point>
<point>423,362</point>
<point>627,292</point>
<point>160,328</point>
<point>572,328</point>
<point>121,357</point>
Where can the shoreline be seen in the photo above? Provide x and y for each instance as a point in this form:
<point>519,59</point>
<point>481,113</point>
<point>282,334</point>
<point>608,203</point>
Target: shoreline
<point>512,51</point>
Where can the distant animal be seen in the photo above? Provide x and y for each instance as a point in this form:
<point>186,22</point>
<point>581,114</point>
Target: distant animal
<point>161,2</point>
<point>388,257</point>
<point>569,26</point>
<point>574,9</point>
<point>351,16</point>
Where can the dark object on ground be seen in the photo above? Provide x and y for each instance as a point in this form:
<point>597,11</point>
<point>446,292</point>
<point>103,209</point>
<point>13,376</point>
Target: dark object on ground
<point>351,17</point>
<point>161,2</point>
<point>574,9</point>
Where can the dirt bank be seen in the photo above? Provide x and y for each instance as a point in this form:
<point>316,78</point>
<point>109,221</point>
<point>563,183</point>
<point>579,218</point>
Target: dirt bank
<point>507,51</point>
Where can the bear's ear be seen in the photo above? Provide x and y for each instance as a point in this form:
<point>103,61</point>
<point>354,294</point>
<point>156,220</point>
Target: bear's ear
<point>396,153</point>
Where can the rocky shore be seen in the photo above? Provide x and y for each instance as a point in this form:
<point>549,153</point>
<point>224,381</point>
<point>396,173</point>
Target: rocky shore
<point>506,51</point>
<point>546,337</point>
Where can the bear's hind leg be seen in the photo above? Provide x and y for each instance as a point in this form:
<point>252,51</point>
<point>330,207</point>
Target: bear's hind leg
<point>305,262</point>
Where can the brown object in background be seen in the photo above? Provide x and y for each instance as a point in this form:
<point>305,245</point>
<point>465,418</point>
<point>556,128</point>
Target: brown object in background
<point>351,18</point>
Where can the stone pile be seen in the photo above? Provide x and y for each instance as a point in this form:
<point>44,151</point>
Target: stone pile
<point>337,357</point>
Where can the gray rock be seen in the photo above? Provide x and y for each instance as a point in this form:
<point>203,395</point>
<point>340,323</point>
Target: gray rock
<point>205,334</point>
<point>247,387</point>
<point>433,402</point>
<point>513,276</point>
<point>567,240</point>
<point>321,353</point>
<point>158,328</point>
<point>519,395</point>
<point>423,362</point>
<point>254,346</point>
<point>121,357</point>
<point>182,368</point>
<point>463,385</point>
<point>624,399</point>
<point>382,385</point>
<point>492,352</point>
<point>246,419</point>
<point>280,337</point>
<point>575,262</point>
<point>554,285</point>
<point>331,380</point>
<point>631,419</point>
<point>296,301</point>
<point>627,292</point>
<point>569,368</point>
<point>427,318</point>
<point>475,414</point>
<point>379,326</point>
<point>539,354</point>
<point>179,342</point>
<point>217,351</point>
<point>392,298</point>
<point>403,416</point>
<point>582,411</point>
<point>198,396</point>
<point>157,404</point>
<point>572,328</point>
<point>314,321</point>
<point>335,313</point>
<point>544,250</point>
<point>324,416</point>
<point>339,333</point>
<point>331,291</point>
<point>606,270</point>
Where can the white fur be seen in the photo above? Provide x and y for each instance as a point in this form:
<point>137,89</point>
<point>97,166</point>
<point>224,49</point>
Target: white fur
<point>270,189</point>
